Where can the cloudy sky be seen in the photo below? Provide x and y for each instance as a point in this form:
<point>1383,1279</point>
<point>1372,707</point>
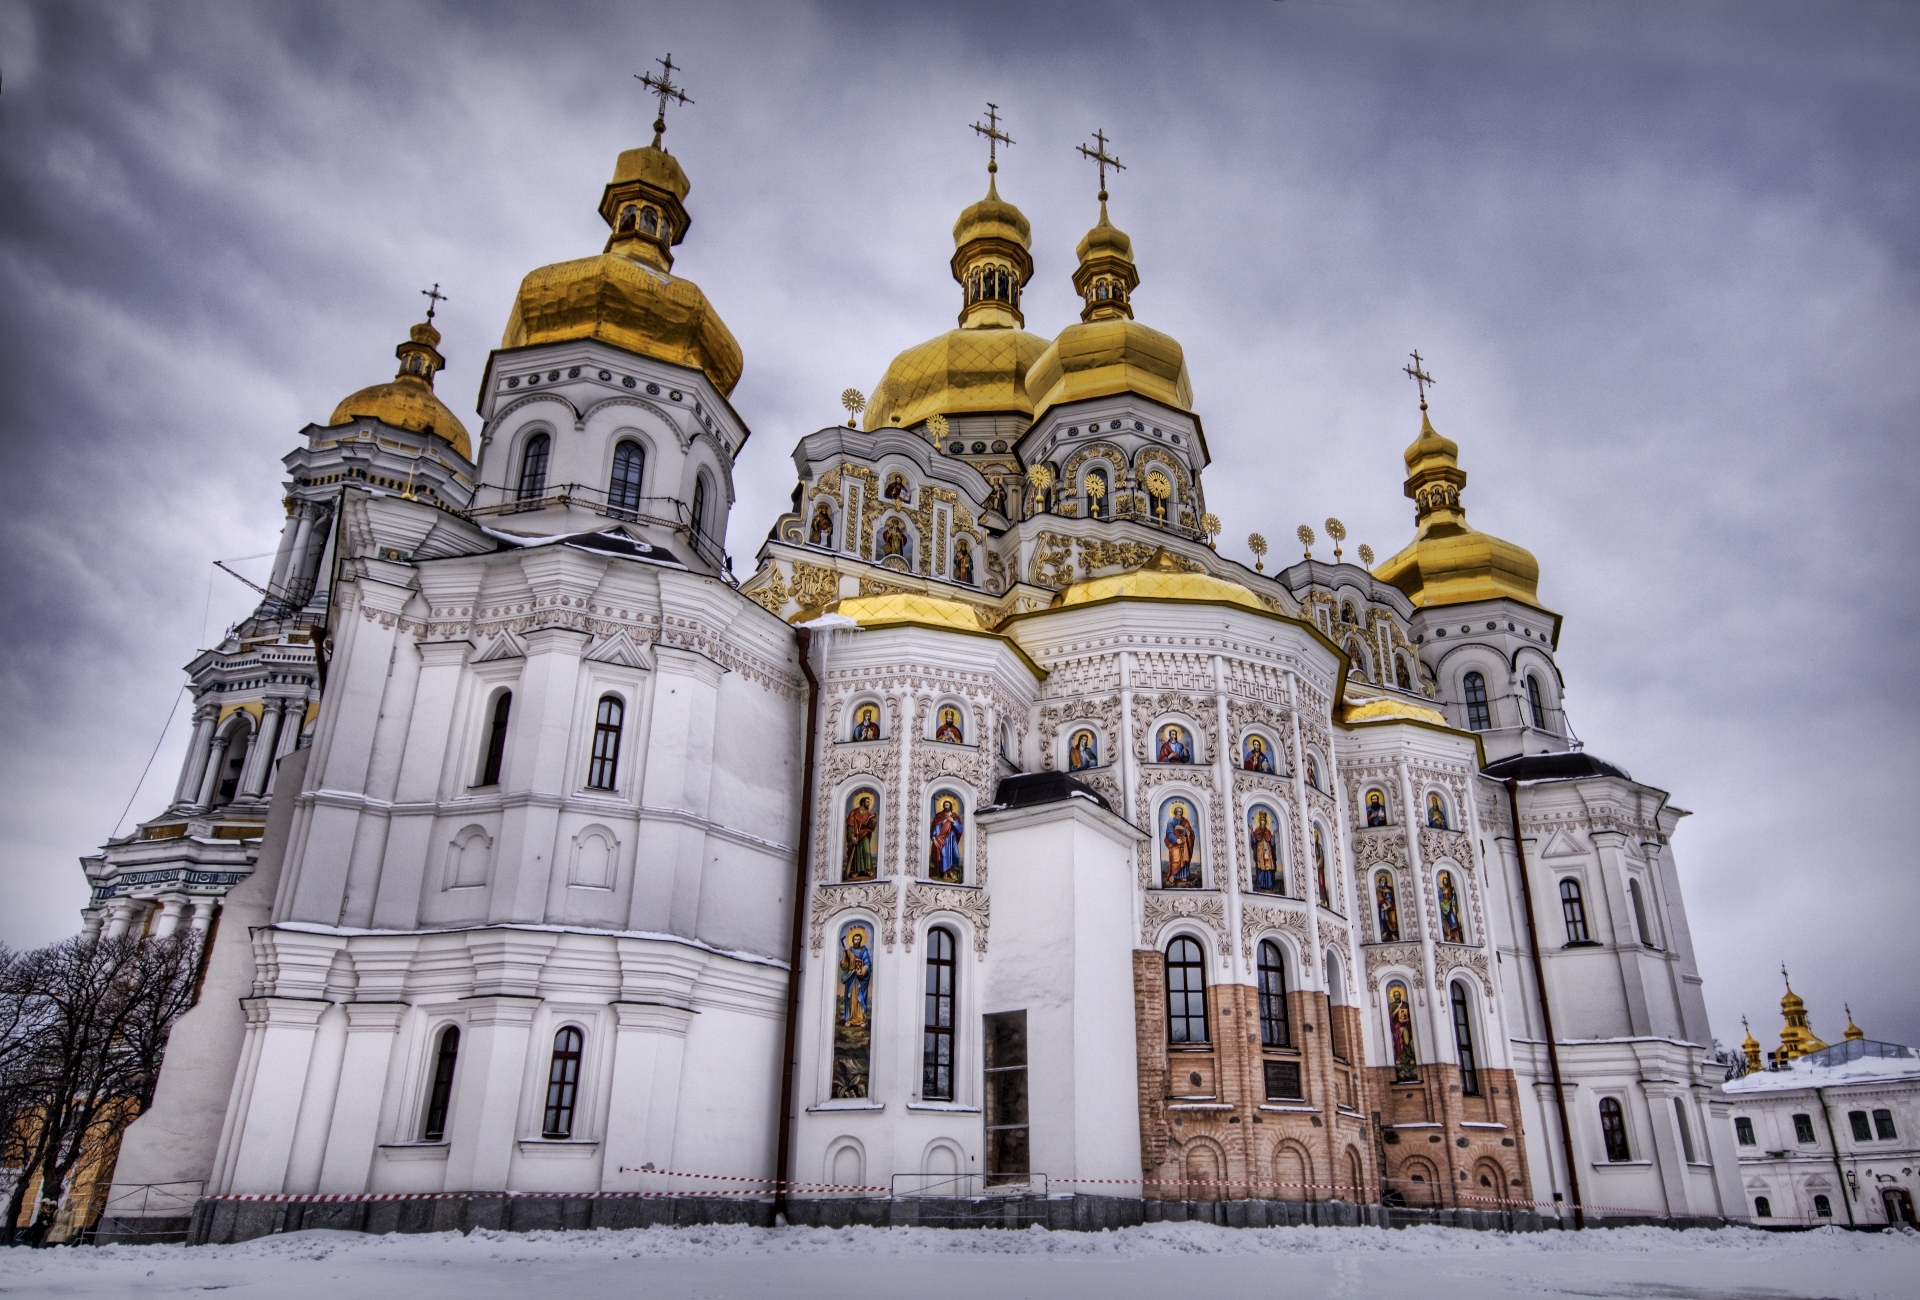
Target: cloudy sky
<point>1661,258</point>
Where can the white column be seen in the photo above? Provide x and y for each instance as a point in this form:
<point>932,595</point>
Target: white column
<point>253,781</point>
<point>272,1092</point>
<point>293,545</point>
<point>645,1093</point>
<point>210,781</point>
<point>119,917</point>
<point>171,908</point>
<point>203,914</point>
<point>90,922</point>
<point>197,749</point>
<point>351,1140</point>
<point>486,1108</point>
<point>309,1146</point>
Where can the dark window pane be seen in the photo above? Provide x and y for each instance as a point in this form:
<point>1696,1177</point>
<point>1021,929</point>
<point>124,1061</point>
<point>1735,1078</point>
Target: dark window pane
<point>1743,1131</point>
<point>533,467</point>
<point>936,1052</point>
<point>1613,1129</point>
<point>1274,1029</point>
<point>1574,910</point>
<point>1005,1035</point>
<point>563,1083</point>
<point>1478,716</point>
<point>1803,1129</point>
<point>1186,993</point>
<point>606,744</point>
<point>441,1095</point>
<point>497,739</point>
<point>623,489</point>
<point>1463,1042</point>
<point>1862,1131</point>
<point>1283,1081</point>
<point>1883,1121</point>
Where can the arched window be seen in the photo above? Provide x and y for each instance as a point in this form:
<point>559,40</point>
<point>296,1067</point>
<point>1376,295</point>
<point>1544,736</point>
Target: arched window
<point>1463,1041</point>
<point>533,467</point>
<point>606,743</point>
<point>1613,1129</point>
<point>623,489</point>
<point>563,1084</point>
<point>1533,702</point>
<point>1640,915</point>
<point>496,739</point>
<point>1574,909</point>
<point>1822,1206</point>
<point>1479,718</point>
<point>1186,992</point>
<point>1336,997</point>
<point>936,1050</point>
<point>440,1096</point>
<point>700,506</point>
<point>1274,1030</point>
<point>1096,489</point>
<point>649,221</point>
<point>1762,1208</point>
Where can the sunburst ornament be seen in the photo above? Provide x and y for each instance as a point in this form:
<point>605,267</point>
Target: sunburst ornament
<point>1366,555</point>
<point>1041,476</point>
<point>1338,532</point>
<point>1258,545</point>
<point>1159,485</point>
<point>1210,525</point>
<point>855,401</point>
<point>1305,534</point>
<point>936,426</point>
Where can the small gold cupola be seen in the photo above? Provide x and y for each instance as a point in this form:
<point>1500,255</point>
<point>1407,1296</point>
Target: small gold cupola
<point>645,202</point>
<point>1750,1046</point>
<point>407,401</point>
<point>1106,276</point>
<point>1796,1036</point>
<point>1854,1032</point>
<point>992,243</point>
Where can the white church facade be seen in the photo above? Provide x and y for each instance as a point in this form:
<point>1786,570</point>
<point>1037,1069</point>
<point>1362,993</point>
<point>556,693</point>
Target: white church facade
<point>997,835</point>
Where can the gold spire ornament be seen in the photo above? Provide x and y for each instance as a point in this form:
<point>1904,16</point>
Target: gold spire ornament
<point>1305,534</point>
<point>663,90</point>
<point>1102,159</point>
<point>1418,376</point>
<point>1210,525</point>
<point>1338,532</point>
<point>1366,555</point>
<point>1041,476</point>
<point>936,427</point>
<point>995,137</point>
<point>1096,488</point>
<point>1258,545</point>
<point>855,401</point>
<point>434,298</point>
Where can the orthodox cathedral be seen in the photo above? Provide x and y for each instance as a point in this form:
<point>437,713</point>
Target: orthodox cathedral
<point>997,835</point>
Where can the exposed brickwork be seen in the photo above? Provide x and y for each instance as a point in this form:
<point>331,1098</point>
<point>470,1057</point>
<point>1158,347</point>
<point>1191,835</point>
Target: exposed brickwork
<point>1443,1166</point>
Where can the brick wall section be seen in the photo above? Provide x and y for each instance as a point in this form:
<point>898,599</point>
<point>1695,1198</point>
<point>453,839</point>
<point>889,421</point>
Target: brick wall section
<point>1150,1036</point>
<point>1443,1165</point>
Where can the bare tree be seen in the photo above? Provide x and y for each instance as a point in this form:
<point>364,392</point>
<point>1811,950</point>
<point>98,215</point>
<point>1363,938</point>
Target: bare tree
<point>87,1022</point>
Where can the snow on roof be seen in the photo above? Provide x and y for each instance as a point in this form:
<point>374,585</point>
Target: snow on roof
<point>1857,1062</point>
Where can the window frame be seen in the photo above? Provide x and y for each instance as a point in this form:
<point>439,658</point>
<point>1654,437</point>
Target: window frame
<point>1884,1129</point>
<point>1743,1134</point>
<point>1276,1028</point>
<point>1862,1127</point>
<point>1573,911</point>
<point>563,1083</point>
<point>1536,703</point>
<point>603,765</point>
<point>696,512</point>
<point>446,1060</point>
<point>938,1015</point>
<point>1803,1131</point>
<point>1467,1058</point>
<point>1180,1025</point>
<point>494,758</point>
<point>529,486</point>
<point>1762,1208</point>
<point>1613,1131</point>
<point>630,487</point>
<point>1480,710</point>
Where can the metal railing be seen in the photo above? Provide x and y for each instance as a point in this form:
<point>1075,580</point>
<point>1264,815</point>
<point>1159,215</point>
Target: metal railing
<point>661,512</point>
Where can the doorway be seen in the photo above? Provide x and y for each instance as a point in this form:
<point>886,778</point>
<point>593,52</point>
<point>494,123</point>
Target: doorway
<point>1899,1205</point>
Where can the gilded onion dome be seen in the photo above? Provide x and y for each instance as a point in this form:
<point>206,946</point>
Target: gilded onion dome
<point>1796,1035</point>
<point>627,296</point>
<point>407,401</point>
<point>1108,352</point>
<point>1448,563</point>
<point>982,366</point>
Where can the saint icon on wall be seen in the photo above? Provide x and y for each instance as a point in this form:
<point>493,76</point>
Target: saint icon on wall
<point>1255,756</point>
<point>1263,851</point>
<point>893,541</point>
<point>896,489</point>
<point>1386,907</point>
<point>859,858</point>
<point>947,729</point>
<point>853,1012</point>
<point>963,562</point>
<point>820,531</point>
<point>1450,928</point>
<point>1436,811</point>
<point>1179,870</point>
<point>1083,751</point>
<point>946,841</point>
<point>1174,746</point>
<point>1400,1025</point>
<point>1376,808</point>
<point>866,722</point>
<point>1320,867</point>
<point>1313,772</point>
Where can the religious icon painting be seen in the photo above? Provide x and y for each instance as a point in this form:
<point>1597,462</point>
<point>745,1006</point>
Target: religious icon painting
<point>1386,907</point>
<point>1175,745</point>
<point>963,562</point>
<point>947,729</point>
<point>1313,771</point>
<point>894,543</point>
<point>1255,754</point>
<point>820,531</point>
<point>1083,751</point>
<point>1400,1027</point>
<point>866,722</point>
<point>860,852</point>
<point>853,1011</point>
<point>1436,811</point>
<point>1179,844</point>
<point>1450,928</point>
<point>1376,808</point>
<point>1263,850</point>
<point>946,840</point>
<point>896,489</point>
<point>1320,867</point>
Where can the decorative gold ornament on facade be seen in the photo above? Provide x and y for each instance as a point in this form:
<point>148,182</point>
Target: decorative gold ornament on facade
<point>1159,485</point>
<point>855,401</point>
<point>936,427</point>
<point>1210,525</point>
<point>1258,545</point>
<point>1305,534</point>
<point>1366,555</point>
<point>1338,532</point>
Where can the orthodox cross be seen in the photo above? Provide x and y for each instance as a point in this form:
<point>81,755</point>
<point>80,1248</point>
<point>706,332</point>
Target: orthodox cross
<point>995,136</point>
<point>1418,376</point>
<point>663,89</point>
<point>434,299</point>
<point>1101,157</point>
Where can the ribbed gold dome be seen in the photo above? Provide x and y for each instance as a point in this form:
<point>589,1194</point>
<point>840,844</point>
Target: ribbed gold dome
<point>961,371</point>
<point>992,218</point>
<point>1098,358</point>
<point>407,401</point>
<point>1448,563</point>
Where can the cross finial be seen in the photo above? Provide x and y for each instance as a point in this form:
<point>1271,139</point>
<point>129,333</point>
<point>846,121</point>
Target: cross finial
<point>1786,978</point>
<point>434,299</point>
<point>663,89</point>
<point>995,137</point>
<point>1418,376</point>
<point>1102,158</point>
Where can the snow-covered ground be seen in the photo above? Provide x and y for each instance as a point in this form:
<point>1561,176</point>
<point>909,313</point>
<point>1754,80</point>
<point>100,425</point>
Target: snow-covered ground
<point>1159,1261</point>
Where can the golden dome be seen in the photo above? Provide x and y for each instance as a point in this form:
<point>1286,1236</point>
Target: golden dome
<point>1854,1032</point>
<point>1448,563</point>
<point>963,370</point>
<point>1389,708</point>
<point>1162,577</point>
<point>407,401</point>
<point>992,218</point>
<point>901,607</point>
<point>1796,1036</point>
<point>627,296</point>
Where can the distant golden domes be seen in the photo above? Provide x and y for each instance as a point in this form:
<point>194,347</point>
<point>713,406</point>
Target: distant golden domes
<point>1448,563</point>
<point>407,401</point>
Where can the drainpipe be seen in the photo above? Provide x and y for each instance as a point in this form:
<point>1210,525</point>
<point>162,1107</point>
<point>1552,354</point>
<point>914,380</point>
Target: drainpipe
<point>783,1154</point>
<point>1546,1013</point>
<point>1838,1171</point>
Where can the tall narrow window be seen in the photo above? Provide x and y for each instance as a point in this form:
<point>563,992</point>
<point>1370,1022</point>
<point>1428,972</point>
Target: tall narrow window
<point>936,1051</point>
<point>1475,688</point>
<point>1686,1129</point>
<point>1803,1129</point>
<point>1862,1131</point>
<point>1640,914</point>
<point>700,506</point>
<point>1463,1041</point>
<point>533,467</point>
<point>606,744</point>
<point>441,1094</point>
<point>1574,910</point>
<point>623,489</point>
<point>1883,1125</point>
<point>1613,1129</point>
<point>1823,1207</point>
<point>1186,993</point>
<point>563,1083</point>
<point>496,739</point>
<point>1761,1208</point>
<point>1743,1131</point>
<point>1274,1029</point>
<point>1009,1155</point>
<point>1533,702</point>
<point>1336,998</point>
